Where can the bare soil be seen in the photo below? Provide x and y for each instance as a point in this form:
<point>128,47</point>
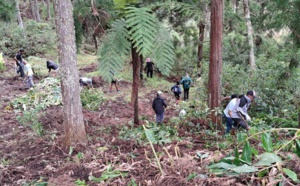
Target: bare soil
<point>26,158</point>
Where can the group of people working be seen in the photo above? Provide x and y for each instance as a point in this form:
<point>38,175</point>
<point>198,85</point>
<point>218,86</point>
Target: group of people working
<point>25,70</point>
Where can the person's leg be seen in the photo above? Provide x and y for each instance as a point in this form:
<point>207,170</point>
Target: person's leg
<point>151,73</point>
<point>110,88</point>
<point>187,93</point>
<point>229,122</point>
<point>148,73</point>
<point>117,88</point>
<point>31,81</point>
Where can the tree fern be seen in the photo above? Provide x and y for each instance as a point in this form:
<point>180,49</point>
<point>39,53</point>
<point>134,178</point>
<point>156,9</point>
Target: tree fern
<point>142,26</point>
<point>142,30</point>
<point>163,54</point>
<point>114,50</point>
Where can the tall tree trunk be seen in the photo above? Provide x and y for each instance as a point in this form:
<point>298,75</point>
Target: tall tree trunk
<point>142,67</point>
<point>48,10</point>
<point>201,27</point>
<point>136,64</point>
<point>20,20</point>
<point>250,34</point>
<point>37,11</point>
<point>43,2</point>
<point>72,114</point>
<point>215,65</point>
<point>32,9</point>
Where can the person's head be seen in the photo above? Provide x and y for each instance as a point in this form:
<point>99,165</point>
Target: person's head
<point>148,59</point>
<point>251,94</point>
<point>233,96</point>
<point>159,93</point>
<point>48,62</point>
<point>21,50</point>
<point>186,75</point>
<point>177,83</point>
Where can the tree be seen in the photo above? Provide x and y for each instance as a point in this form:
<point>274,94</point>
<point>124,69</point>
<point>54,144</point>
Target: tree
<point>37,11</point>
<point>141,35</point>
<point>72,112</point>
<point>7,10</point>
<point>215,63</point>
<point>250,34</point>
<point>20,20</point>
<point>48,10</point>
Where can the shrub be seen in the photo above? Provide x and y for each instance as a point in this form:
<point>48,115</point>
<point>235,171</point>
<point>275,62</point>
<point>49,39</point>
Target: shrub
<point>91,99</point>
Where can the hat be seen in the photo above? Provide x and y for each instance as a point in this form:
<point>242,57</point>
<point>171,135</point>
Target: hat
<point>159,92</point>
<point>148,60</point>
<point>251,93</point>
<point>21,50</point>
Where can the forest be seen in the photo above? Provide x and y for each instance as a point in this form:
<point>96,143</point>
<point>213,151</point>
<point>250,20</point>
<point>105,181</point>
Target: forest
<point>107,112</point>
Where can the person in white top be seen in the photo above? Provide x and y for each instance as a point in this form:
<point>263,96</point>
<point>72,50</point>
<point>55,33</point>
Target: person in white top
<point>29,74</point>
<point>228,111</point>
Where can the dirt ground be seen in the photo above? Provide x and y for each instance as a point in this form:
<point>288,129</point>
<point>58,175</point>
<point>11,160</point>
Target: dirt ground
<point>26,158</point>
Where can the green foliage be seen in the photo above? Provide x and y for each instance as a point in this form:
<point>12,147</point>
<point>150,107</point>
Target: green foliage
<point>44,94</point>
<point>91,99</point>
<point>36,38</point>
<point>291,174</point>
<point>267,142</point>
<point>78,182</point>
<point>157,134</point>
<point>109,173</point>
<point>7,10</point>
<point>247,153</point>
<point>141,30</point>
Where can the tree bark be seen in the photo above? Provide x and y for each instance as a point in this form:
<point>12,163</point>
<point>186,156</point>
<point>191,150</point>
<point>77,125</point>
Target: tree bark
<point>20,20</point>
<point>37,11</point>
<point>136,64</point>
<point>48,10</point>
<point>72,114</point>
<point>215,65</point>
<point>201,28</point>
<point>250,34</point>
<point>32,9</point>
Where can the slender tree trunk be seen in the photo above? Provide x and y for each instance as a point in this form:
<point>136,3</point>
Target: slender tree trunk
<point>43,2</point>
<point>72,114</point>
<point>37,11</point>
<point>136,64</point>
<point>250,34</point>
<point>201,27</point>
<point>234,3</point>
<point>141,68</point>
<point>48,10</point>
<point>32,9</point>
<point>20,20</point>
<point>215,65</point>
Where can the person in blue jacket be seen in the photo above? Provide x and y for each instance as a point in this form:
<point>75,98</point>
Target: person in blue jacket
<point>177,91</point>
<point>186,83</point>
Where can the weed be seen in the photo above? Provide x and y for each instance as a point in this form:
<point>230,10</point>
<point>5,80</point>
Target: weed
<point>78,182</point>
<point>91,99</point>
<point>4,162</point>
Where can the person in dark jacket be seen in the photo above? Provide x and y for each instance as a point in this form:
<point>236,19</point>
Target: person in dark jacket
<point>177,91</point>
<point>20,62</point>
<point>159,105</point>
<point>52,66</point>
<point>149,67</point>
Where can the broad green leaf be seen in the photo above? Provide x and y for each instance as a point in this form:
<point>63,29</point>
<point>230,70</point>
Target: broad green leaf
<point>262,173</point>
<point>267,142</point>
<point>244,169</point>
<point>240,137</point>
<point>291,174</point>
<point>297,149</point>
<point>222,165</point>
<point>150,135</point>
<point>247,153</point>
<point>254,151</point>
<point>266,159</point>
<point>236,152</point>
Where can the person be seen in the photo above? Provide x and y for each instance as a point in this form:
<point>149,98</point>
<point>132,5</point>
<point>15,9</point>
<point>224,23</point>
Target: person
<point>177,91</point>
<point>149,67</point>
<point>159,105</point>
<point>186,83</point>
<point>240,111</point>
<point>84,81</point>
<point>29,74</point>
<point>228,112</point>
<point>114,82</point>
<point>52,66</point>
<point>20,62</point>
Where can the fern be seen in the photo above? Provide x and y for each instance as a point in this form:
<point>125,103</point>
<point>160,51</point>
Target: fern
<point>142,26</point>
<point>142,30</point>
<point>114,50</point>
<point>164,53</point>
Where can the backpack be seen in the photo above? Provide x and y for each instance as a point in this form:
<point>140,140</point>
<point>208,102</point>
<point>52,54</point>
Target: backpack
<point>176,89</point>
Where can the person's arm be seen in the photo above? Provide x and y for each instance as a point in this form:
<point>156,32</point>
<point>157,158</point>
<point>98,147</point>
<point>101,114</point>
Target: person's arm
<point>153,104</point>
<point>164,103</point>
<point>227,97</point>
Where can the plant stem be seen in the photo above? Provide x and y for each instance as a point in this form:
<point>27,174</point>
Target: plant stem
<point>161,171</point>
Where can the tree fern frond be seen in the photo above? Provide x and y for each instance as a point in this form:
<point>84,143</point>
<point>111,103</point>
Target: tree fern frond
<point>115,48</point>
<point>163,53</point>
<point>142,26</point>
